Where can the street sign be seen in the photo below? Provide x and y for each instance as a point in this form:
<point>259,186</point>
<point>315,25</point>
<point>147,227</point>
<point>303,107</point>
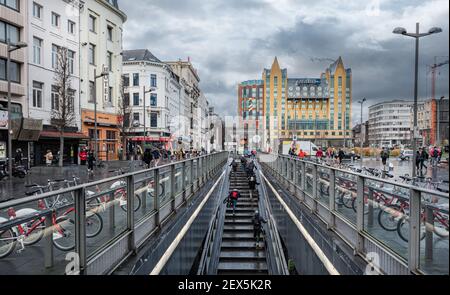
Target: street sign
<point>105,84</point>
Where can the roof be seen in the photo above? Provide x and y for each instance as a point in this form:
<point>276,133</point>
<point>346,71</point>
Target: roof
<point>139,55</point>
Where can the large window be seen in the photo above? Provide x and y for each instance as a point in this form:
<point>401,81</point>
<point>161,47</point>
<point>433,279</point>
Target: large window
<point>71,59</point>
<point>54,55</point>
<point>135,99</point>
<point>109,59</point>
<point>92,93</point>
<point>15,71</point>
<point>71,27</point>
<point>55,97</point>
<point>55,19</point>
<point>126,80</point>
<point>126,99</point>
<point>92,23</point>
<point>8,31</point>
<point>109,31</point>
<point>153,99</point>
<point>110,135</point>
<point>14,4</point>
<point>37,50</point>
<point>37,94</point>
<point>37,10</point>
<point>135,79</point>
<point>136,117</point>
<point>153,80</point>
<point>91,54</point>
<point>153,120</point>
<point>110,95</point>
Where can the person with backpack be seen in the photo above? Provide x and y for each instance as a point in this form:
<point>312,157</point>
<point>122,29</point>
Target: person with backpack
<point>147,158</point>
<point>258,220</point>
<point>243,161</point>
<point>234,165</point>
<point>340,155</point>
<point>384,156</point>
<point>232,199</point>
<point>250,168</point>
<point>252,183</point>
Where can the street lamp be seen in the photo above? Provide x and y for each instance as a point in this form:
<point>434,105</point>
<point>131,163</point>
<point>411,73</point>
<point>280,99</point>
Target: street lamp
<point>10,48</point>
<point>438,135</point>
<point>416,35</point>
<point>103,74</point>
<point>152,89</point>
<point>361,125</point>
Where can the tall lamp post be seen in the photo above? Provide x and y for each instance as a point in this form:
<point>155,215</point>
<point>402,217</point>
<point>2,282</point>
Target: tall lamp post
<point>361,125</point>
<point>438,115</point>
<point>145,92</point>
<point>10,48</point>
<point>103,74</point>
<point>416,35</point>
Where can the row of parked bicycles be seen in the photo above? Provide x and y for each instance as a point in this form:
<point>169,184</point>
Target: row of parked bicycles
<point>388,203</point>
<point>61,211</point>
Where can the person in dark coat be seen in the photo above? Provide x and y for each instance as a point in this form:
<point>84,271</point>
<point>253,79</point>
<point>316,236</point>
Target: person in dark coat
<point>258,220</point>
<point>252,182</point>
<point>90,161</point>
<point>147,157</point>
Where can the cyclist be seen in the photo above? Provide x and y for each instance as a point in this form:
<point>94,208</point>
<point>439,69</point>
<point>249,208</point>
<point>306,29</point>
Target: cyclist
<point>232,199</point>
<point>257,227</point>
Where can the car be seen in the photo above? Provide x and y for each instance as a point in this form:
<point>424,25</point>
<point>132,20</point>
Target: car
<point>406,155</point>
<point>349,156</point>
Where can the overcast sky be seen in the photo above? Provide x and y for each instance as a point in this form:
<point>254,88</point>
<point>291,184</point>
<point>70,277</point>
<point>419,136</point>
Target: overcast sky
<point>230,41</point>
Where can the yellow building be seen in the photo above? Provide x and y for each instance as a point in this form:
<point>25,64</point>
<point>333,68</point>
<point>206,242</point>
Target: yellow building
<point>314,109</point>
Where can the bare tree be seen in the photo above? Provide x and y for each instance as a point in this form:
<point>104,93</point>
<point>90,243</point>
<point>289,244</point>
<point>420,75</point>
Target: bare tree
<point>63,112</point>
<point>123,117</point>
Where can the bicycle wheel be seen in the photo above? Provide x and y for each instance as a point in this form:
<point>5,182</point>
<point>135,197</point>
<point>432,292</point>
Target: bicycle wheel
<point>94,224</point>
<point>324,190</point>
<point>7,242</point>
<point>366,206</point>
<point>403,229</point>
<point>36,235</point>
<point>346,200</point>
<point>123,202</point>
<point>64,233</point>
<point>160,193</point>
<point>389,216</point>
<point>440,229</point>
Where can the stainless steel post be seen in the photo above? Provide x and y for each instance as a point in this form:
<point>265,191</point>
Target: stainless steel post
<point>360,214</point>
<point>414,230</point>
<point>156,197</point>
<point>80,228</point>
<point>130,212</point>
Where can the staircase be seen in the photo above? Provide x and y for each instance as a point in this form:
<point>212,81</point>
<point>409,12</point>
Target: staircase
<point>238,253</point>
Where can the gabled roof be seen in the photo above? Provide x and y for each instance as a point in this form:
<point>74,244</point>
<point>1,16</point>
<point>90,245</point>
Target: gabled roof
<point>334,65</point>
<point>139,55</point>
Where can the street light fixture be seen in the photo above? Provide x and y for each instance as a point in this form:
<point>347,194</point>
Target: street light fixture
<point>103,74</point>
<point>10,48</point>
<point>416,35</point>
<point>361,125</point>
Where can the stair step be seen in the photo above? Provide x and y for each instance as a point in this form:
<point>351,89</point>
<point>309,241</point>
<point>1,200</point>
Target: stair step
<point>256,266</point>
<point>237,235</point>
<point>240,244</point>
<point>243,254</point>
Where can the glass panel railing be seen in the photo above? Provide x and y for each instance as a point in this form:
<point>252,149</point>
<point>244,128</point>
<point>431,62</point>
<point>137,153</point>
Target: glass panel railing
<point>323,186</point>
<point>345,193</point>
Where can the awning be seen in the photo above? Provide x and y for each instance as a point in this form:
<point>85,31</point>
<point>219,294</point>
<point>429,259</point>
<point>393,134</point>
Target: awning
<point>56,134</point>
<point>150,138</point>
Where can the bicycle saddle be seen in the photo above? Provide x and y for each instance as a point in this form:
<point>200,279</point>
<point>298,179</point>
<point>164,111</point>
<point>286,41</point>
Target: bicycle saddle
<point>32,192</point>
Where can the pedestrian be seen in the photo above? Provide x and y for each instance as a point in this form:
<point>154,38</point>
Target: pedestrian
<point>83,156</point>
<point>90,161</point>
<point>243,161</point>
<point>250,168</point>
<point>434,156</point>
<point>147,158</point>
<point>319,154</point>
<point>18,157</point>
<point>384,156</point>
<point>252,183</point>
<point>232,199</point>
<point>439,151</point>
<point>156,156</point>
<point>301,154</point>
<point>258,220</point>
<point>234,165</point>
<point>48,158</point>
<point>340,156</point>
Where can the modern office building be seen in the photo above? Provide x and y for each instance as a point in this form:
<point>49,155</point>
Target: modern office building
<point>390,123</point>
<point>432,118</point>
<point>251,112</point>
<point>101,31</point>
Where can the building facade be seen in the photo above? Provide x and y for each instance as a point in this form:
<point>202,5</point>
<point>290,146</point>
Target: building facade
<point>430,113</point>
<point>156,110</point>
<point>389,124</point>
<point>51,28</point>
<point>13,27</point>
<point>360,133</point>
<point>251,112</point>
<point>101,23</point>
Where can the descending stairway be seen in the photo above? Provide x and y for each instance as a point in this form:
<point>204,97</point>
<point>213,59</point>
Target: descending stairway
<point>238,253</point>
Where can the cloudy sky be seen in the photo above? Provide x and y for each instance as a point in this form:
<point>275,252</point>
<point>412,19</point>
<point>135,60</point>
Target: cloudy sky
<point>230,41</point>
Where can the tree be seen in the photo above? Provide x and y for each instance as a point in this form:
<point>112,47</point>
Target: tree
<point>123,117</point>
<point>63,113</point>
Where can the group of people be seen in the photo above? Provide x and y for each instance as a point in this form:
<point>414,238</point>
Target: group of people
<point>434,154</point>
<point>330,154</point>
<point>87,156</point>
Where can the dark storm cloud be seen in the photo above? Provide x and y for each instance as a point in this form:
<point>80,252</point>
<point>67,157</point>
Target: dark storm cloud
<point>231,41</point>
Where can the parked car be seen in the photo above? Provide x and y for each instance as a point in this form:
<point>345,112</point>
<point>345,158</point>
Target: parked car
<point>349,156</point>
<point>406,155</point>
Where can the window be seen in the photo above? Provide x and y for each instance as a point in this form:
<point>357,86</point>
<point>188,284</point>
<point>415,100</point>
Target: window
<point>71,60</point>
<point>15,71</point>
<point>37,49</point>
<point>109,31</point>
<point>13,4</point>
<point>92,93</point>
<point>153,99</point>
<point>135,79</point>
<point>54,55</point>
<point>71,27</point>
<point>37,10</point>
<point>91,54</point>
<point>110,135</point>
<point>37,94</point>
<point>10,32</point>
<point>126,99</point>
<point>153,119</point>
<point>55,19</point>
<point>110,92</point>
<point>135,99</point>
<point>136,117</point>
<point>92,133</point>
<point>126,80</point>
<point>153,80</point>
<point>92,23</point>
<point>55,97</point>
<point>109,60</point>
<point>71,99</point>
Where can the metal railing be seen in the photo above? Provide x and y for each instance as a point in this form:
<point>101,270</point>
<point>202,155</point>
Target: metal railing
<point>398,228</point>
<point>102,226</point>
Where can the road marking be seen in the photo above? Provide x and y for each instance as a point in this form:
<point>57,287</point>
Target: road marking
<point>323,258</point>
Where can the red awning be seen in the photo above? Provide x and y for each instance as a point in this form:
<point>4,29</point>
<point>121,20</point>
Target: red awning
<point>56,134</point>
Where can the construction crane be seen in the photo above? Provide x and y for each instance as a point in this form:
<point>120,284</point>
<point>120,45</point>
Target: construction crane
<point>321,59</point>
<point>433,68</point>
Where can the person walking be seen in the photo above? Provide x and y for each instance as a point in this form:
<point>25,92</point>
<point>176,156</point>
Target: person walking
<point>340,156</point>
<point>83,156</point>
<point>156,156</point>
<point>18,157</point>
<point>421,158</point>
<point>234,165</point>
<point>232,199</point>
<point>301,154</point>
<point>319,154</point>
<point>384,156</point>
<point>250,168</point>
<point>434,156</point>
<point>147,158</point>
<point>48,158</point>
<point>258,220</point>
<point>252,182</point>
<point>90,161</point>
